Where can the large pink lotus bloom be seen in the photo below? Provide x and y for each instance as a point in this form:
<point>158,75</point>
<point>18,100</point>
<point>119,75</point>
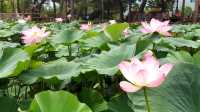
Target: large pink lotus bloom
<point>145,73</point>
<point>59,20</point>
<point>156,26</point>
<point>86,27</point>
<point>34,35</point>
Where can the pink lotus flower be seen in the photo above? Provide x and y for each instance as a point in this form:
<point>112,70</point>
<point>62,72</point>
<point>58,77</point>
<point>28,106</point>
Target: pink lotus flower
<point>34,35</point>
<point>112,21</point>
<point>59,20</point>
<point>21,21</point>
<point>28,18</point>
<point>156,26</point>
<point>86,27</point>
<point>126,32</point>
<point>69,16</point>
<point>146,73</point>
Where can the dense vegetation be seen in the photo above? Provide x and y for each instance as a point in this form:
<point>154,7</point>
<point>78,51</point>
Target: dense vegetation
<point>99,10</point>
<point>76,69</point>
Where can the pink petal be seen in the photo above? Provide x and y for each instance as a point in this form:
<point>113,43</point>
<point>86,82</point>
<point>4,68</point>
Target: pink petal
<point>28,18</point>
<point>154,24</point>
<point>166,28</point>
<point>34,35</point>
<point>153,21</point>
<point>151,65</point>
<point>159,80</point>
<point>136,61</point>
<point>26,32</point>
<point>150,62</point>
<point>126,32</point>
<point>59,19</point>
<point>124,67</point>
<point>166,33</point>
<point>144,24</point>
<point>147,28</point>
<point>35,28</point>
<point>143,30</point>
<point>140,77</point>
<point>165,23</point>
<point>128,87</point>
<point>85,27</point>
<point>129,70</point>
<point>148,54</point>
<point>30,40</point>
<point>165,69</point>
<point>46,34</point>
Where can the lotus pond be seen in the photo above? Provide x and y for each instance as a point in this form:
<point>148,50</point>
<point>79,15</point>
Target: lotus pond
<point>110,67</point>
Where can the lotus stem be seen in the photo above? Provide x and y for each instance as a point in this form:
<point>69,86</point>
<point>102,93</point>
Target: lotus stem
<point>70,51</point>
<point>146,100</point>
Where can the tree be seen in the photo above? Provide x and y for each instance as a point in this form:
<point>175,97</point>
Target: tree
<point>141,9</point>
<point>183,10</point>
<point>54,8</point>
<point>72,8</point>
<point>196,11</point>
<point>121,8</point>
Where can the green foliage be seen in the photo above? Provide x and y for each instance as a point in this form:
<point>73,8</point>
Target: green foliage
<point>93,99</point>
<point>96,39</point>
<point>59,69</point>
<point>81,66</point>
<point>180,42</point>
<point>188,11</point>
<point>184,57</point>
<point>114,31</point>
<point>106,62</point>
<point>8,104</point>
<point>12,62</point>
<point>61,101</point>
<point>67,36</point>
<point>120,103</point>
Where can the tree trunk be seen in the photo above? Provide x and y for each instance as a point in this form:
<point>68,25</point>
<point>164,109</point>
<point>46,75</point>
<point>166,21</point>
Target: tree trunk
<point>129,11</point>
<point>1,9</point>
<point>142,6</point>
<point>39,6</point>
<point>102,10</point>
<point>72,9</point>
<point>15,9</point>
<point>18,6</point>
<point>183,10</point>
<point>176,5</point>
<point>54,8</point>
<point>121,10</point>
<point>66,7</point>
<point>35,1</point>
<point>61,8</point>
<point>196,11</point>
<point>141,9</point>
<point>86,9</point>
<point>13,5</point>
<point>163,6</point>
